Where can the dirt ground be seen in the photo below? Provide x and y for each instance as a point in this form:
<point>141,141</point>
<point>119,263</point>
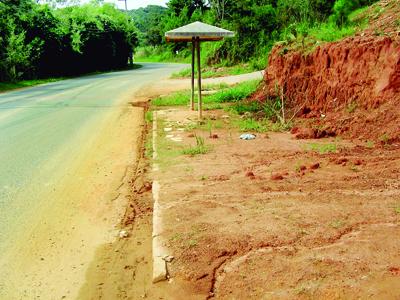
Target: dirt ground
<point>277,217</point>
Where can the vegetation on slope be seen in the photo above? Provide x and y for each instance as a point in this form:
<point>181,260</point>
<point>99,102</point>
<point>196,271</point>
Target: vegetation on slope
<point>42,41</point>
<point>258,25</point>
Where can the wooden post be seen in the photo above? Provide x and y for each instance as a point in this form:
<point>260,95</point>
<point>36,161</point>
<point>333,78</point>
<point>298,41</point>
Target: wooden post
<point>193,54</point>
<point>200,108</point>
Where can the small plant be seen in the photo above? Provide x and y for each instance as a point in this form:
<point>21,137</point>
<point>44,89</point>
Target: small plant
<point>212,106</point>
<point>215,86</point>
<point>271,108</point>
<point>351,107</point>
<point>354,168</point>
<point>200,147</point>
<point>252,125</point>
<point>242,107</point>
<point>174,99</point>
<point>379,32</point>
<point>203,178</point>
<point>235,93</point>
<point>322,148</point>
<point>370,144</point>
<point>397,209</point>
<point>209,127</point>
<point>191,126</point>
<point>192,243</point>
<point>299,167</point>
<point>384,139</point>
<point>149,147</point>
<point>188,169</point>
<point>337,224</point>
<point>280,127</point>
<point>148,116</point>
<point>176,237</point>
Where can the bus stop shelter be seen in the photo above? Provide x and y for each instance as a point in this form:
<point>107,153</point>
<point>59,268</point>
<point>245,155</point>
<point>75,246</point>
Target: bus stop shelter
<point>197,32</point>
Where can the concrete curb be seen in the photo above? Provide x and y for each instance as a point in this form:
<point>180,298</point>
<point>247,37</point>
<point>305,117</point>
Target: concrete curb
<point>159,251</point>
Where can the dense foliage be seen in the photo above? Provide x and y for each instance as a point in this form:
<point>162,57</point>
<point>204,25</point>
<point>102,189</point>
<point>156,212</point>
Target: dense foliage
<point>258,23</point>
<point>40,41</point>
<point>148,22</point>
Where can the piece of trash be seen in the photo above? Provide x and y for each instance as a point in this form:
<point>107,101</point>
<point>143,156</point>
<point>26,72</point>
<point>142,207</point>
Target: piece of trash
<point>247,136</point>
<point>168,136</point>
<point>166,129</point>
<point>123,234</point>
<point>168,258</point>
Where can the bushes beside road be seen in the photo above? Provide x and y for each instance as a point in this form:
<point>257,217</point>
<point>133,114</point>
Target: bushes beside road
<point>38,41</point>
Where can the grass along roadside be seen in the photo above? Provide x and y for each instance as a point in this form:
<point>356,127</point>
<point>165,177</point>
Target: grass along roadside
<point>250,116</point>
<point>9,86</point>
<point>211,72</point>
<point>224,94</point>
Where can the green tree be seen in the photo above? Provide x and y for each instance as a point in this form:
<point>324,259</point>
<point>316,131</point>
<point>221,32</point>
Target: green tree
<point>17,53</point>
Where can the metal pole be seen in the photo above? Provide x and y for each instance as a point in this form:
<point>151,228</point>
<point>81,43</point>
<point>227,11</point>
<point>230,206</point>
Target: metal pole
<point>200,108</point>
<point>126,5</point>
<point>193,54</point>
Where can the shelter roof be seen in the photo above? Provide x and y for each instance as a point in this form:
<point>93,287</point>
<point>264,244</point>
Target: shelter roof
<point>204,32</point>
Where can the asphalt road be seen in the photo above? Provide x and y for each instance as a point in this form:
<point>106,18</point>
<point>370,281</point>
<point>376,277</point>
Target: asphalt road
<point>44,129</point>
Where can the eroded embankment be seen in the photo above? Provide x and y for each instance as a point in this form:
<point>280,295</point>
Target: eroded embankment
<point>350,87</point>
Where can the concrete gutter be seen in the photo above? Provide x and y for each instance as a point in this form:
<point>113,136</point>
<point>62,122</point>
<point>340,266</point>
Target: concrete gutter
<point>159,251</point>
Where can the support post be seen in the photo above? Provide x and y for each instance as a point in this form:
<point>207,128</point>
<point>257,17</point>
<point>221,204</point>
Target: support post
<point>200,105</point>
<point>193,54</point>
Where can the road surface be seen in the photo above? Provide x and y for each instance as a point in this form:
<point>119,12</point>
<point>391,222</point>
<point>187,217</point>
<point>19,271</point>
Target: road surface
<point>65,148</point>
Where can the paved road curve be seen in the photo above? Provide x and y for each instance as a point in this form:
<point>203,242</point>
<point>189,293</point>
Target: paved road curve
<point>47,134</point>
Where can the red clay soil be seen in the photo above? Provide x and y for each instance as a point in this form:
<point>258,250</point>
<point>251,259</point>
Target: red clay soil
<point>269,219</point>
<point>350,87</point>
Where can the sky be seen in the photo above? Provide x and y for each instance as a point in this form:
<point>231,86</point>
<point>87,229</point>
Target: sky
<point>133,4</point>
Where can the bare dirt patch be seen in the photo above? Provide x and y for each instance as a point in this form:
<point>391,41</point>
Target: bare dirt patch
<point>277,217</point>
<point>122,268</point>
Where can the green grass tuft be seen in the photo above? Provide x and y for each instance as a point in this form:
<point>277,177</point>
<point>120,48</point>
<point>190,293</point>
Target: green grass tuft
<point>200,147</point>
<point>351,107</point>
<point>337,224</point>
<point>227,94</point>
<point>148,116</point>
<point>253,125</point>
<point>384,138</point>
<point>242,107</point>
<point>174,99</point>
<point>7,86</point>
<point>370,144</point>
<point>322,148</point>
<point>237,92</point>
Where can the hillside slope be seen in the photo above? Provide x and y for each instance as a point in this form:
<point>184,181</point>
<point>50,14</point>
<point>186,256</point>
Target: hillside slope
<point>350,87</point>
